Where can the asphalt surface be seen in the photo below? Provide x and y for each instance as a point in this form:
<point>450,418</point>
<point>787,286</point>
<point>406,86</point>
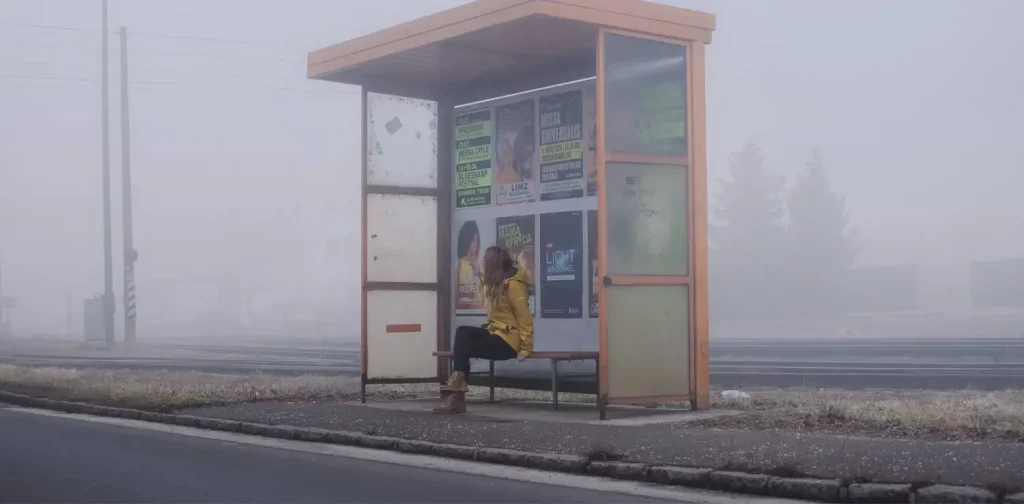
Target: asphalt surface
<point>52,459</point>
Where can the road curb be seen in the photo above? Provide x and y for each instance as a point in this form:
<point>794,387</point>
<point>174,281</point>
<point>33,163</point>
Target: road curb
<point>820,490</point>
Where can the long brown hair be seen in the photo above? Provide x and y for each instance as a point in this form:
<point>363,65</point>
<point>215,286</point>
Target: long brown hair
<point>497,261</point>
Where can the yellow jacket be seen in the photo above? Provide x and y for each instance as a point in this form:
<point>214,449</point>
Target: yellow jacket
<point>511,318</point>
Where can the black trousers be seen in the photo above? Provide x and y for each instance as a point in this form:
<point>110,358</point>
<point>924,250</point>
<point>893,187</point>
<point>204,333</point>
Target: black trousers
<point>478,343</point>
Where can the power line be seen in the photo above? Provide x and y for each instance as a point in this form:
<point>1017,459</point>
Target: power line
<point>220,56</point>
<point>215,75</point>
<point>46,77</point>
<point>48,27</point>
<point>197,54</point>
<point>223,40</point>
<point>179,83</point>
<point>178,53</point>
<point>43,44</point>
<point>159,35</point>
<point>234,87</point>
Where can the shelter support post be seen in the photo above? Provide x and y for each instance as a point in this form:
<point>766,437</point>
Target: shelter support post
<point>445,145</point>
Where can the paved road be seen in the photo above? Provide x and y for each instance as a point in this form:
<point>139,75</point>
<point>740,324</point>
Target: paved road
<point>53,459</point>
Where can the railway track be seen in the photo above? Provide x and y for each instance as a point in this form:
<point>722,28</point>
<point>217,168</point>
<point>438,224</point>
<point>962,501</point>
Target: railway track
<point>932,364</point>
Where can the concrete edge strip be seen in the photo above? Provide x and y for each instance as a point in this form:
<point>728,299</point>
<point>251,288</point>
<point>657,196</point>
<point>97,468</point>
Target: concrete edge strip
<point>821,490</point>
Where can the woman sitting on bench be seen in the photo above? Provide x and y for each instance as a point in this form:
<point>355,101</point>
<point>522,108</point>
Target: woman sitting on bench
<point>507,334</point>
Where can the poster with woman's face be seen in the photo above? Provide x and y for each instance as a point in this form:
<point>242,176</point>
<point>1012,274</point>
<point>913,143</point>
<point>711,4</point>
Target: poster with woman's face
<point>518,176</point>
<point>472,237</point>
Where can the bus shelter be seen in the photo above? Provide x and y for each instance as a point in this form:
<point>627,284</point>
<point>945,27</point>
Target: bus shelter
<point>571,132</point>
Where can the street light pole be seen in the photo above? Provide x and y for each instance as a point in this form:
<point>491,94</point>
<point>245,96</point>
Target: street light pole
<point>108,260</point>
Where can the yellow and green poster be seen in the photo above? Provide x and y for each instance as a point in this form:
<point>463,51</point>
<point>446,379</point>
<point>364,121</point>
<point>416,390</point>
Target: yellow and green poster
<point>473,133</point>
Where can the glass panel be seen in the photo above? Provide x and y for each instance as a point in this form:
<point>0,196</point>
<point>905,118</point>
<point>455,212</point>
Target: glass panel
<point>401,330</point>
<point>401,238</point>
<point>401,141</point>
<point>648,340</point>
<point>647,219</point>
<point>645,96</point>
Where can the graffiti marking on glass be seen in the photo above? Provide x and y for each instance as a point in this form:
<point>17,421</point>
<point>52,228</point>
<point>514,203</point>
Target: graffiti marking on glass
<point>647,220</point>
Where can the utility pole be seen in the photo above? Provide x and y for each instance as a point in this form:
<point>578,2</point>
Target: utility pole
<point>108,260</point>
<point>67,312</point>
<point>3,332</point>
<point>130,255</point>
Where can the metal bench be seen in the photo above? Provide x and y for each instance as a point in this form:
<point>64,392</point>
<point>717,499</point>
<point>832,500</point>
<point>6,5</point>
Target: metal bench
<point>555,358</point>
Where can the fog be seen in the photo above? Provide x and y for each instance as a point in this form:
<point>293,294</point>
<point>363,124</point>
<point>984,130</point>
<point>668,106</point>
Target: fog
<point>245,173</point>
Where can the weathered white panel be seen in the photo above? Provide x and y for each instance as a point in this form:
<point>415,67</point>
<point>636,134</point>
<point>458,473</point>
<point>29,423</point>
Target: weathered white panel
<point>401,334</point>
<point>401,238</point>
<point>401,141</point>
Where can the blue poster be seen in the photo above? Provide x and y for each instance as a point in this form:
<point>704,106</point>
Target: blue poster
<point>562,265</point>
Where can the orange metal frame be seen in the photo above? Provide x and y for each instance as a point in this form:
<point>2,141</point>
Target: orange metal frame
<point>364,334</point>
<point>695,165</point>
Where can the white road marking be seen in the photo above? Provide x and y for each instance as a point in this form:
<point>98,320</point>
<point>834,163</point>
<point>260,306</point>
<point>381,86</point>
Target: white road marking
<point>581,482</point>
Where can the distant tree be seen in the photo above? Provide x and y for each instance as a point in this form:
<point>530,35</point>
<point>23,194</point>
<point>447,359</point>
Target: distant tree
<point>747,239</point>
<point>822,244</point>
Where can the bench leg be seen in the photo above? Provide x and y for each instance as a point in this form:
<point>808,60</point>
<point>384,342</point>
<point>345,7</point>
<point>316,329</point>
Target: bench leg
<point>491,375</point>
<point>554,382</point>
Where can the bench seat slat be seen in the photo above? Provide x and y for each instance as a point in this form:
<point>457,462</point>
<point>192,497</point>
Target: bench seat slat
<point>544,355</point>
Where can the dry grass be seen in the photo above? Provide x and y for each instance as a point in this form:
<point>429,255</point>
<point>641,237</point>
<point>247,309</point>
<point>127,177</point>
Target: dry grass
<point>175,390</point>
<point>957,415</point>
<point>167,390</point>
<point>953,415</point>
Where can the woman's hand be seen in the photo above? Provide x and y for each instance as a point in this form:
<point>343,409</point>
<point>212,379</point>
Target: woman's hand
<point>521,257</point>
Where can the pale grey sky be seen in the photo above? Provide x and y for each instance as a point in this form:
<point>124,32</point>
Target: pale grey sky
<point>243,166</point>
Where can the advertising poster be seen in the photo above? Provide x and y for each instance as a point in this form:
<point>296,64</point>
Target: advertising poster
<point>590,158</point>
<point>473,159</point>
<point>661,114</point>
<point>561,281</point>
<point>473,236</point>
<point>592,260</point>
<point>516,234</point>
<point>517,153</point>
<point>561,146</point>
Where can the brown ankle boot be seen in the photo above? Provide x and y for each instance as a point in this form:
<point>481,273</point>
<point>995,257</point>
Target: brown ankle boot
<point>456,384</point>
<point>453,404</point>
